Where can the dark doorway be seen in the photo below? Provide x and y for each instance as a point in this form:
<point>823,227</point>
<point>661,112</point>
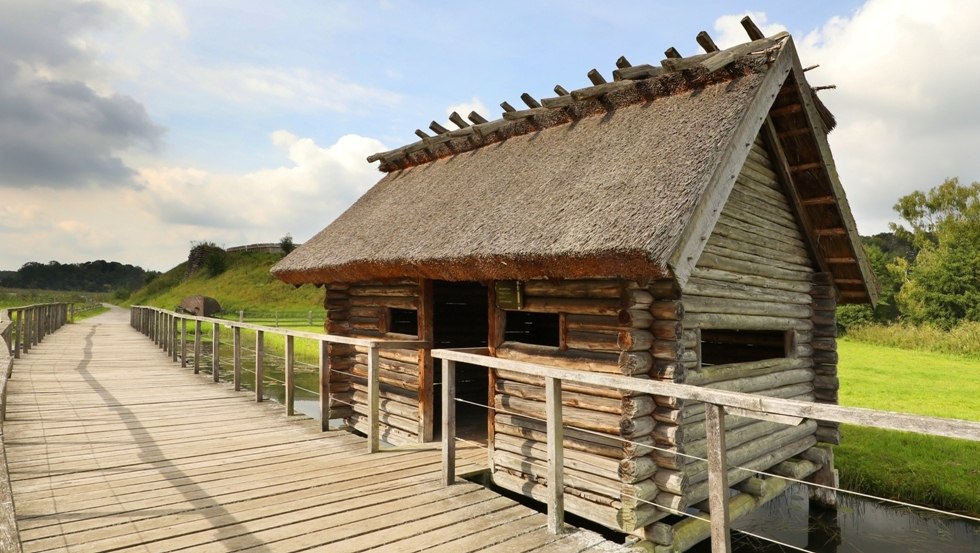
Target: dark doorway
<point>460,320</point>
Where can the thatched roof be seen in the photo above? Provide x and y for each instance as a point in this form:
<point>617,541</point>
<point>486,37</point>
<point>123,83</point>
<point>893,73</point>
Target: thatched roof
<point>611,180</point>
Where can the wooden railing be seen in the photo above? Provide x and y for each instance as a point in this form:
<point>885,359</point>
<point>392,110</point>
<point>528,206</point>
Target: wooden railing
<point>717,403</point>
<point>22,328</point>
<point>168,329</point>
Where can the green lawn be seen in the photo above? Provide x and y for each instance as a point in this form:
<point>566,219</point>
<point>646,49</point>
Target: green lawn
<point>915,468</point>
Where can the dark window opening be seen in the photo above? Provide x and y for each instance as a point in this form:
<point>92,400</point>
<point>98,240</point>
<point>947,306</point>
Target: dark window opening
<point>403,321</point>
<point>542,329</point>
<point>741,346</point>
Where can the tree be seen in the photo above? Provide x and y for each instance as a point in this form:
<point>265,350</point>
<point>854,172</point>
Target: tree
<point>286,243</point>
<point>942,285</point>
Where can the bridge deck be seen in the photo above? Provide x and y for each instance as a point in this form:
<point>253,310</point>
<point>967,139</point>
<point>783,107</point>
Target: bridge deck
<point>111,446</point>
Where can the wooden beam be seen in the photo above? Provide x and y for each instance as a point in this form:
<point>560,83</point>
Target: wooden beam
<point>721,540</point>
<point>834,231</point>
<point>374,401</point>
<point>637,72</point>
<point>476,118</point>
<point>560,90</point>
<point>704,39</point>
<point>290,373</point>
<point>236,345</point>
<point>841,260</point>
<point>259,365</point>
<point>506,107</point>
<point>819,200</point>
<point>325,378</point>
<point>596,77</point>
<point>672,53</point>
<point>754,32</point>
<point>422,134</point>
<point>458,120</point>
<point>448,422</point>
<point>805,166</point>
<point>215,351</point>
<point>786,110</point>
<point>530,101</point>
<point>781,163</point>
<point>623,63</point>
<point>556,439</point>
<point>437,128</point>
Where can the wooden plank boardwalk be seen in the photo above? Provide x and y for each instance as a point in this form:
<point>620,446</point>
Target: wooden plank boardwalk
<point>111,447</point>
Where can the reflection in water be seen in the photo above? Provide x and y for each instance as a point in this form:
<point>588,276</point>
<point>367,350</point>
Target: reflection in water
<point>858,526</point>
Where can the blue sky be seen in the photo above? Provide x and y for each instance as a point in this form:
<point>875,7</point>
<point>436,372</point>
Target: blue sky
<point>130,128</point>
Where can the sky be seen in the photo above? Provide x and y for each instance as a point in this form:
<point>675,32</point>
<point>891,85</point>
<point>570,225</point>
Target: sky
<point>132,129</point>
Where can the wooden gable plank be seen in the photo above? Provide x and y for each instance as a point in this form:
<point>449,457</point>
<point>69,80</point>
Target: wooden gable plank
<point>706,213</point>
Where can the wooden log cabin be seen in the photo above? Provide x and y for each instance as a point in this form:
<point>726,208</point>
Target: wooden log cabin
<point>682,222</point>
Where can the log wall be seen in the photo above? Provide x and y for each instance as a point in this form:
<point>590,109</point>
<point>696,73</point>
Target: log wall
<point>362,310</point>
<point>756,274</point>
<point>605,326</point>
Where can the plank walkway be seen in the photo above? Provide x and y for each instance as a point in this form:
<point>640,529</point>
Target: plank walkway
<point>111,447</point>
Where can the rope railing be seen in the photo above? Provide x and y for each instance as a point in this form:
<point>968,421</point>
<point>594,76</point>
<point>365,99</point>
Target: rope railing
<point>717,403</point>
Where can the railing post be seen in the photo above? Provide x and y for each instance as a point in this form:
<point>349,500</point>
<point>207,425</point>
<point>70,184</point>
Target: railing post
<point>374,439</point>
<point>324,385</point>
<point>173,337</point>
<point>197,346</point>
<point>183,343</point>
<point>28,329</point>
<point>236,344</point>
<point>556,439</point>
<point>717,479</point>
<point>18,332</point>
<point>259,364</point>
<point>216,352</point>
<point>289,354</point>
<point>448,422</point>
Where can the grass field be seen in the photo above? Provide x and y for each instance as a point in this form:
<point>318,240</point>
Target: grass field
<point>920,469</point>
<point>16,297</point>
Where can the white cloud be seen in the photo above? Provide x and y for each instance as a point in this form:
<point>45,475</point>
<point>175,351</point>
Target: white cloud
<point>729,30</point>
<point>906,99</point>
<point>464,109</point>
<point>300,198</point>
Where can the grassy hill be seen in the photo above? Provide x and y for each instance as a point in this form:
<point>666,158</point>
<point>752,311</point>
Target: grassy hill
<point>245,284</point>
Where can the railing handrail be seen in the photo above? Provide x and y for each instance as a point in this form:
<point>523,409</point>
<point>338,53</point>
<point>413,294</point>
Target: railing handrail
<point>383,343</point>
<point>753,405</point>
<point>717,403</point>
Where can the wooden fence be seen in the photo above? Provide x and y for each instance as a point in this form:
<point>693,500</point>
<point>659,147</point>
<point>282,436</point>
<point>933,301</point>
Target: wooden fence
<point>169,330</point>
<point>717,403</point>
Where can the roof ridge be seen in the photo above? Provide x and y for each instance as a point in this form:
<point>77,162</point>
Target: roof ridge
<point>631,84</point>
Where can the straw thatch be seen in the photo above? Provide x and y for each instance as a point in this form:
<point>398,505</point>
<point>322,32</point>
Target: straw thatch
<point>606,194</point>
<point>619,179</point>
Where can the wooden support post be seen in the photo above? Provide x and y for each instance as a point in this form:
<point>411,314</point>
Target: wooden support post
<point>19,332</point>
<point>27,330</point>
<point>215,352</point>
<point>721,541</point>
<point>259,364</point>
<point>448,422</point>
<point>374,439</point>
<point>236,344</point>
<point>289,383</point>
<point>183,343</point>
<point>324,385</point>
<point>556,478</point>
<point>197,347</point>
<point>174,320</point>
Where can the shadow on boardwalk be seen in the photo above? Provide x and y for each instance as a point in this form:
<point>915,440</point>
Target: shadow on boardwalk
<point>112,447</point>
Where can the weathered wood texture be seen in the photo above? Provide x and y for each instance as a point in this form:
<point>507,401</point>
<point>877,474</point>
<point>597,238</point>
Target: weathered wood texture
<point>104,454</point>
<point>756,274</point>
<point>605,327</point>
<point>362,310</point>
